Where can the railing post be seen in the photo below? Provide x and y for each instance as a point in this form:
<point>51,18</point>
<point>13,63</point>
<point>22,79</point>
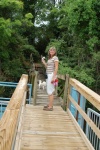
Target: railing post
<point>35,89</point>
<point>65,97</point>
<point>69,91</point>
<point>31,79</point>
<point>77,114</point>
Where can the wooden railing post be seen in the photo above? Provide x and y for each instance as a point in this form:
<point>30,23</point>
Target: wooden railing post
<point>68,101</point>
<point>65,97</point>
<point>35,88</point>
<point>31,79</point>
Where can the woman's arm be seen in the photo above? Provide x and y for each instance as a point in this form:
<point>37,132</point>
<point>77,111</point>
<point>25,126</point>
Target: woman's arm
<point>55,71</point>
<point>43,61</point>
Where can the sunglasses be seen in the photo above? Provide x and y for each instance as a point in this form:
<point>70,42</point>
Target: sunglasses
<point>51,50</point>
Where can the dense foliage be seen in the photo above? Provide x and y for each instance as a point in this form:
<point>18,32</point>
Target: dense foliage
<point>32,26</point>
<point>14,45</point>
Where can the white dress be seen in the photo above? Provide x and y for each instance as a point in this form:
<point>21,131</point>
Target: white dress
<point>50,69</point>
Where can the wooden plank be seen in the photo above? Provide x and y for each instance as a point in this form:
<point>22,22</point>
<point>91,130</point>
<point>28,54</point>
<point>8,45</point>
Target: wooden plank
<point>8,122</point>
<point>68,101</point>
<point>49,130</point>
<point>90,95</point>
<point>66,91</point>
<point>87,142</point>
<point>35,89</point>
<point>17,141</point>
<point>87,119</point>
<point>57,133</point>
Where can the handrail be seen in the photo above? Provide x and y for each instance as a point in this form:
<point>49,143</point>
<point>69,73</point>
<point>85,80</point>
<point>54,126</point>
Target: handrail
<point>8,122</point>
<point>91,96</point>
<point>95,116</point>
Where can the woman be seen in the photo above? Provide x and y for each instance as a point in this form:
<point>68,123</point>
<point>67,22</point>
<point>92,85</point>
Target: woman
<point>51,71</point>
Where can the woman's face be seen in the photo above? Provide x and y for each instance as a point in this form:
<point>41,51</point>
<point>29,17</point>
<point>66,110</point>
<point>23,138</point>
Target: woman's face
<point>52,52</point>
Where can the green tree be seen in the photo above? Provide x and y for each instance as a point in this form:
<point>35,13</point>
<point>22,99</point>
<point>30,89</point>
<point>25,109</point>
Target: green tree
<point>79,25</point>
<point>13,42</point>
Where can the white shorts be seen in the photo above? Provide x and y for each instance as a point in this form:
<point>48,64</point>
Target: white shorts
<point>50,86</point>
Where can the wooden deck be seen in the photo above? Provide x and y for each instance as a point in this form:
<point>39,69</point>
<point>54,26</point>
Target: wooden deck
<point>27,127</point>
<point>48,130</point>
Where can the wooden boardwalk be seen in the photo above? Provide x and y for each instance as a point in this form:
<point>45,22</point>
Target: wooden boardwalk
<point>47,130</point>
<point>27,127</point>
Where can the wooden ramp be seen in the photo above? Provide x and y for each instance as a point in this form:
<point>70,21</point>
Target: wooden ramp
<point>27,127</point>
<point>48,130</point>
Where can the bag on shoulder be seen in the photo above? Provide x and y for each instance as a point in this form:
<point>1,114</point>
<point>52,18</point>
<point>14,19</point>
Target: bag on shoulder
<point>46,76</point>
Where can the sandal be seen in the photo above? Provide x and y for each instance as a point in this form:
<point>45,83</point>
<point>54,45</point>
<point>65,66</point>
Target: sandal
<point>46,106</point>
<point>49,109</point>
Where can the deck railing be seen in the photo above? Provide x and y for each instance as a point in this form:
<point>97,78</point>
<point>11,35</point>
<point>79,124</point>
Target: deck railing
<point>90,96</point>
<point>13,85</point>
<point>89,132</point>
<point>82,92</point>
<point>10,118</point>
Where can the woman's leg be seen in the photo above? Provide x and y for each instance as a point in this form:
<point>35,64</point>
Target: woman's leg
<point>51,99</point>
